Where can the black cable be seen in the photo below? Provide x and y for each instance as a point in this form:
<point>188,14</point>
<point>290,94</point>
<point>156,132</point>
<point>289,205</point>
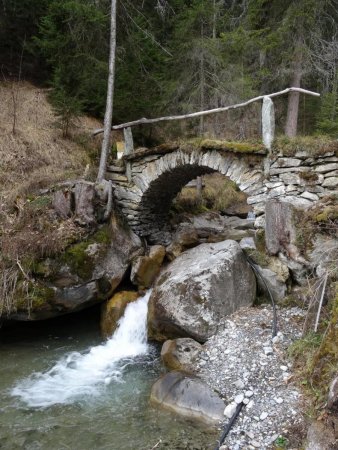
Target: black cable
<point>257,272</point>
<point>229,424</point>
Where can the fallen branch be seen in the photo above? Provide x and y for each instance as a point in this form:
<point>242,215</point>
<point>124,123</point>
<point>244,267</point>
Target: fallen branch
<point>144,120</point>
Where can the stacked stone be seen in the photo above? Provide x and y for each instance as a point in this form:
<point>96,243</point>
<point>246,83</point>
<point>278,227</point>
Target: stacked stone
<point>157,178</point>
<point>300,179</point>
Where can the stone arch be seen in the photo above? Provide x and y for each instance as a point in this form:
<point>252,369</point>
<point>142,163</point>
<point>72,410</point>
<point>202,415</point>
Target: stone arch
<point>158,179</point>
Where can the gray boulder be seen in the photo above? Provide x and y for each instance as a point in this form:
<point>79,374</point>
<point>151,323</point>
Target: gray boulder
<point>180,354</point>
<point>188,397</point>
<point>198,289</point>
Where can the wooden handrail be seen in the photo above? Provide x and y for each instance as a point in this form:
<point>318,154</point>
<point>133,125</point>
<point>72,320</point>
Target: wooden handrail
<point>207,112</point>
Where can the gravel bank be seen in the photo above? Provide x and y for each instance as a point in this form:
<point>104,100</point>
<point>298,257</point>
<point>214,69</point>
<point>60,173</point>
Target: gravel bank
<point>243,363</point>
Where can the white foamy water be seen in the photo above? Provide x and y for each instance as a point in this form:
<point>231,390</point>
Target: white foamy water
<point>79,375</point>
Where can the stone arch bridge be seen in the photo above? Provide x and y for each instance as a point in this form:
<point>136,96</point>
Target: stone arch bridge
<point>146,181</point>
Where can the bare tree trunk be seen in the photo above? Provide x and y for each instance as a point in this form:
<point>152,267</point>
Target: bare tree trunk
<point>202,79</point>
<point>110,93</point>
<point>293,100</point>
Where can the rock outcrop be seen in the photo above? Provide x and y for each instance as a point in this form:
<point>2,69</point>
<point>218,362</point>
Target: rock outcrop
<point>187,396</point>
<point>86,273</point>
<point>197,289</point>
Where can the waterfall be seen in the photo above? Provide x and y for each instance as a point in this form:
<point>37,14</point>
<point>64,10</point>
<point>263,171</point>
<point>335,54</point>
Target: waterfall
<point>79,375</point>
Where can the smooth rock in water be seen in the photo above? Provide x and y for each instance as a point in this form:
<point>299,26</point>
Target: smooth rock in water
<point>113,310</point>
<point>180,354</point>
<point>146,268</point>
<point>188,397</point>
<point>198,289</point>
<point>332,401</point>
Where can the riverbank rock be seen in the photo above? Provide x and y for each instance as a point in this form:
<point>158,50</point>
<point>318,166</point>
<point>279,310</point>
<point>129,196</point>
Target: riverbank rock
<point>84,274</point>
<point>198,289</point>
<point>180,354</point>
<point>146,268</point>
<point>208,227</point>
<point>124,247</point>
<point>188,397</point>
<point>321,437</point>
<point>113,310</point>
<point>332,401</point>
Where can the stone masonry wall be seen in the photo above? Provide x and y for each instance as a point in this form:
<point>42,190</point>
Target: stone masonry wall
<point>157,179</point>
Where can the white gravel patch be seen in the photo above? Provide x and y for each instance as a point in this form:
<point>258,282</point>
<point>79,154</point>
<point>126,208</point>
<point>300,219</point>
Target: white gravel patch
<point>243,363</point>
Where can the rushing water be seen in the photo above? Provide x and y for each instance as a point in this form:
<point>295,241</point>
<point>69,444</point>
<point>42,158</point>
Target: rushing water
<point>57,392</point>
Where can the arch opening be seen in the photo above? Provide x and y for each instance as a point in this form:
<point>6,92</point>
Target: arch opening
<point>158,199</point>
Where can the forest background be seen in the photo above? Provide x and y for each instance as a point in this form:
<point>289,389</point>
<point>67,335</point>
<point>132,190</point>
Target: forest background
<point>178,56</point>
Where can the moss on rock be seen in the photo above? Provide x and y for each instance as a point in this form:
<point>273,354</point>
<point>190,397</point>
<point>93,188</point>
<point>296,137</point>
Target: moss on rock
<point>79,257</point>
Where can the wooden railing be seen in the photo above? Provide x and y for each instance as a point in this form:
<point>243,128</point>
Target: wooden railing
<point>268,117</point>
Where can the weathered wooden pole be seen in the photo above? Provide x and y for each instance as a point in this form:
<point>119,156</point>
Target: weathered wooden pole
<point>128,149</point>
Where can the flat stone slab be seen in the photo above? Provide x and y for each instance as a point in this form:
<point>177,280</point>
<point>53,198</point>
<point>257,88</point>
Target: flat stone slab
<point>187,396</point>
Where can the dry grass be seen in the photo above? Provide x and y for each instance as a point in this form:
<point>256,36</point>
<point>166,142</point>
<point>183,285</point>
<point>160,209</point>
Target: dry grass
<point>36,155</point>
<point>315,146</point>
<point>218,194</point>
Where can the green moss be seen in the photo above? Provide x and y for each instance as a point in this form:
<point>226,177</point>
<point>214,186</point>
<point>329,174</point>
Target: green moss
<point>260,240</point>
<point>313,145</point>
<point>330,213</point>
<point>236,147</point>
<point>77,258</point>
<point>32,297</point>
<point>258,257</point>
<point>39,203</point>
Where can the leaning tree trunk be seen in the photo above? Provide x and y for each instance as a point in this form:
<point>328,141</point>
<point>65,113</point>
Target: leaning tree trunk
<point>110,93</point>
<point>293,100</point>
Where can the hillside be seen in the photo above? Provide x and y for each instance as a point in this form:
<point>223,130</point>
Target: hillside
<point>36,154</point>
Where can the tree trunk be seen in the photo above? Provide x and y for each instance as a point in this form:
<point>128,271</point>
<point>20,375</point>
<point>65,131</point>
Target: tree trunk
<point>293,100</point>
<point>110,93</point>
<point>202,81</point>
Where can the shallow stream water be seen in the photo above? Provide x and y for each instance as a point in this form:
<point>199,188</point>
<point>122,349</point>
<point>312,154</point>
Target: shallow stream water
<point>62,387</point>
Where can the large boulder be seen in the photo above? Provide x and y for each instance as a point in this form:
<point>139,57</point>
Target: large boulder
<point>198,289</point>
<point>113,310</point>
<point>188,397</point>
<point>180,354</point>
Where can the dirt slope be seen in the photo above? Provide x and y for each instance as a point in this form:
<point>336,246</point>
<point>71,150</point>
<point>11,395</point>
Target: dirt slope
<point>36,155</point>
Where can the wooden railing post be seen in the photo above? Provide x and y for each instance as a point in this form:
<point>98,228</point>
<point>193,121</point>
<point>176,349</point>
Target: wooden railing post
<point>128,149</point>
<point>268,122</point>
